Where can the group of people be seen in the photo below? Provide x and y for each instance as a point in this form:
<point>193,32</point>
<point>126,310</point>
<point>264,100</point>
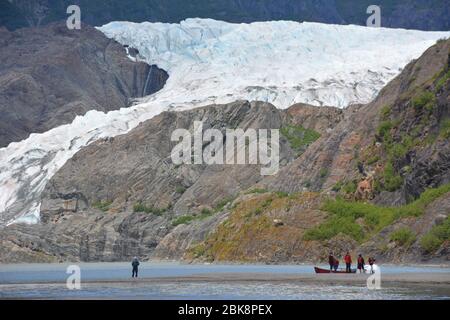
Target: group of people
<point>334,263</point>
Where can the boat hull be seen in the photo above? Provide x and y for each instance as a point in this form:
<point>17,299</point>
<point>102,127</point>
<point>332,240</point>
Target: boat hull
<point>321,270</point>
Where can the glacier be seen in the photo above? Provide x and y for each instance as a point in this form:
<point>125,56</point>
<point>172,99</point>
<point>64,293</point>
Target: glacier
<point>208,62</point>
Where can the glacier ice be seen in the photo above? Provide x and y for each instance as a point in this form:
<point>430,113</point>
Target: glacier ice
<point>210,61</point>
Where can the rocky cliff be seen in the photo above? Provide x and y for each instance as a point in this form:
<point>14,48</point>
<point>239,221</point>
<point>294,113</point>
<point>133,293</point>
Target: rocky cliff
<point>50,75</point>
<point>371,178</point>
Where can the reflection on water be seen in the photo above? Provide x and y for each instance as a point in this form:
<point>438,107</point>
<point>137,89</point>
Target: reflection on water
<point>29,282</point>
<point>216,290</point>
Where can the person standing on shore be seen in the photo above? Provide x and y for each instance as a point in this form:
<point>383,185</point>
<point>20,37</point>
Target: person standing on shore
<point>348,263</point>
<point>135,265</point>
<point>361,264</point>
<point>336,264</point>
<point>331,260</point>
<point>371,262</point>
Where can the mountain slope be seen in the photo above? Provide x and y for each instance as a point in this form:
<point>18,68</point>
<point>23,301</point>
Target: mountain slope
<point>381,182</point>
<point>397,128</point>
<point>139,204</point>
<point>213,62</point>
<point>50,75</point>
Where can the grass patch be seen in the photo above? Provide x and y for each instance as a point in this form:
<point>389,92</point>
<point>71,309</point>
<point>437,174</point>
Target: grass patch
<point>372,160</point>
<point>257,191</point>
<point>403,236</point>
<point>349,187</point>
<point>444,131</point>
<point>102,205</point>
<point>334,226</point>
<point>222,203</point>
<point>343,216</point>
<point>323,172</point>
<point>198,250</point>
<point>267,203</point>
<point>433,240</point>
<point>385,112</point>
<point>299,137</point>
<point>186,219</point>
<point>442,80</point>
<point>338,186</point>
<point>140,207</point>
<point>180,189</point>
<point>392,181</point>
<point>425,100</point>
<point>307,184</point>
<point>384,129</point>
<point>205,213</point>
<point>282,194</point>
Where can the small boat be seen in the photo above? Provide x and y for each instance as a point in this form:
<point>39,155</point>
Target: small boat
<point>320,270</point>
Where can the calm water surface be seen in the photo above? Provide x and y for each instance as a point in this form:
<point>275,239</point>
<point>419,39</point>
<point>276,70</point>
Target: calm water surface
<point>47,281</point>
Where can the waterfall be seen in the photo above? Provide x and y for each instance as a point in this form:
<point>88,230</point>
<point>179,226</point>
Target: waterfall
<point>146,81</point>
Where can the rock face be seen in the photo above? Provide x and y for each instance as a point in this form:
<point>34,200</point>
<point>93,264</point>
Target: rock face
<point>51,74</point>
<point>137,168</point>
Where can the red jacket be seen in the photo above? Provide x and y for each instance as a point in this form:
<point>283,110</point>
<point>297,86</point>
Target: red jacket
<point>348,259</point>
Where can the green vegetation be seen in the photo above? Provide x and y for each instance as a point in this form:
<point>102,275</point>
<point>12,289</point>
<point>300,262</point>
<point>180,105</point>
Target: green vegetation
<point>374,159</point>
<point>385,112</point>
<point>282,194</point>
<point>384,130</point>
<point>444,76</point>
<point>180,189</point>
<point>431,241</point>
<point>102,205</point>
<point>140,207</point>
<point>307,184</point>
<point>198,250</point>
<point>257,190</point>
<point>392,181</point>
<point>258,211</point>
<point>425,100</point>
<point>444,131</point>
<point>334,226</point>
<point>299,138</point>
<point>222,203</point>
<point>249,227</point>
<point>323,172</point>
<point>204,213</point>
<point>186,219</point>
<point>338,186</point>
<point>349,187</point>
<point>343,216</point>
<point>403,236</point>
<point>267,203</point>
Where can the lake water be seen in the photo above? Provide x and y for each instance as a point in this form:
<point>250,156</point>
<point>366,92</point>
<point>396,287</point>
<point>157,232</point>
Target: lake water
<point>47,281</point>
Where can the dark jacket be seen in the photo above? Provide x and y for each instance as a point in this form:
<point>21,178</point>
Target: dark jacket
<point>331,260</point>
<point>135,263</point>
